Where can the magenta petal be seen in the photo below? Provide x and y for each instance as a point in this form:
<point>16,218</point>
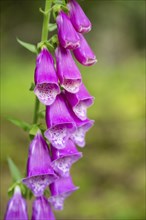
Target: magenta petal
<point>16,208</point>
<point>63,159</point>
<point>78,18</point>
<point>39,171</point>
<point>80,102</point>
<point>67,35</point>
<point>82,127</point>
<point>84,54</point>
<point>60,190</point>
<point>67,71</point>
<point>59,122</point>
<point>46,79</point>
<point>41,209</point>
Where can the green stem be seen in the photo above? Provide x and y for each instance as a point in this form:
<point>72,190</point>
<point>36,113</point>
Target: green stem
<point>44,38</point>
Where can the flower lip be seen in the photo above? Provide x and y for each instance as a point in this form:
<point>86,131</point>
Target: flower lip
<point>72,85</point>
<point>46,92</point>
<point>78,137</point>
<point>38,183</point>
<point>63,159</point>
<point>59,134</point>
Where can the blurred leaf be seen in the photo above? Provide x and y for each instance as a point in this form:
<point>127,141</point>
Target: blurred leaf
<point>22,124</point>
<point>15,173</point>
<point>11,189</point>
<point>52,27</point>
<point>28,46</point>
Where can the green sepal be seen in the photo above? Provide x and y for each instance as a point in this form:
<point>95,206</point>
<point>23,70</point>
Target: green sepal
<point>52,27</point>
<point>15,172</point>
<point>22,124</point>
<point>32,86</point>
<point>34,129</point>
<point>31,47</point>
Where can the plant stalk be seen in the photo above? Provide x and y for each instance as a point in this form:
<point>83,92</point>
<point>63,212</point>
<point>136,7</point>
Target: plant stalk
<point>43,38</point>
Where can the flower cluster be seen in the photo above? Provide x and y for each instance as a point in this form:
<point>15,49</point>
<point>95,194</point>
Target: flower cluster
<point>58,86</point>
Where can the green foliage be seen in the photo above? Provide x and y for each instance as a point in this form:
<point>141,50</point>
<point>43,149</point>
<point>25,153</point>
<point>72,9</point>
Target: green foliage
<point>22,124</point>
<point>15,173</point>
<point>32,48</point>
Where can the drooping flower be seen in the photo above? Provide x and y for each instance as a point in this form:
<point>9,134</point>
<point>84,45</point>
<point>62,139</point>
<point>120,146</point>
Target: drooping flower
<point>63,159</point>
<point>67,71</point>
<point>60,190</point>
<point>80,102</point>
<point>59,123</point>
<point>16,208</point>
<point>84,54</point>
<point>46,79</point>
<point>67,35</point>
<point>41,209</point>
<point>39,172</point>
<point>78,136</point>
<point>78,18</point>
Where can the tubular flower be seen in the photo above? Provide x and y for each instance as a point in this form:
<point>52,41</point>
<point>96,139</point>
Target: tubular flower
<point>63,159</point>
<point>46,79</point>
<point>41,209</point>
<point>78,18</point>
<point>67,35</point>
<point>60,190</point>
<point>80,102</point>
<point>82,127</point>
<point>84,54</point>
<point>16,208</point>
<point>67,71</point>
<point>59,122</point>
<point>39,172</point>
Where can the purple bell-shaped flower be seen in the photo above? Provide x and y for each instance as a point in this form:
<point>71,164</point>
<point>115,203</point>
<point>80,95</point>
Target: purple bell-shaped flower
<point>80,101</point>
<point>78,18</point>
<point>60,190</point>
<point>39,171</point>
<point>63,159</point>
<point>41,209</point>
<point>84,54</point>
<point>16,208</point>
<point>46,79</point>
<point>67,35</point>
<point>67,71</point>
<point>59,122</point>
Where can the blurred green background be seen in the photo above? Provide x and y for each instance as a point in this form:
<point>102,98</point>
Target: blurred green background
<point>111,173</point>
